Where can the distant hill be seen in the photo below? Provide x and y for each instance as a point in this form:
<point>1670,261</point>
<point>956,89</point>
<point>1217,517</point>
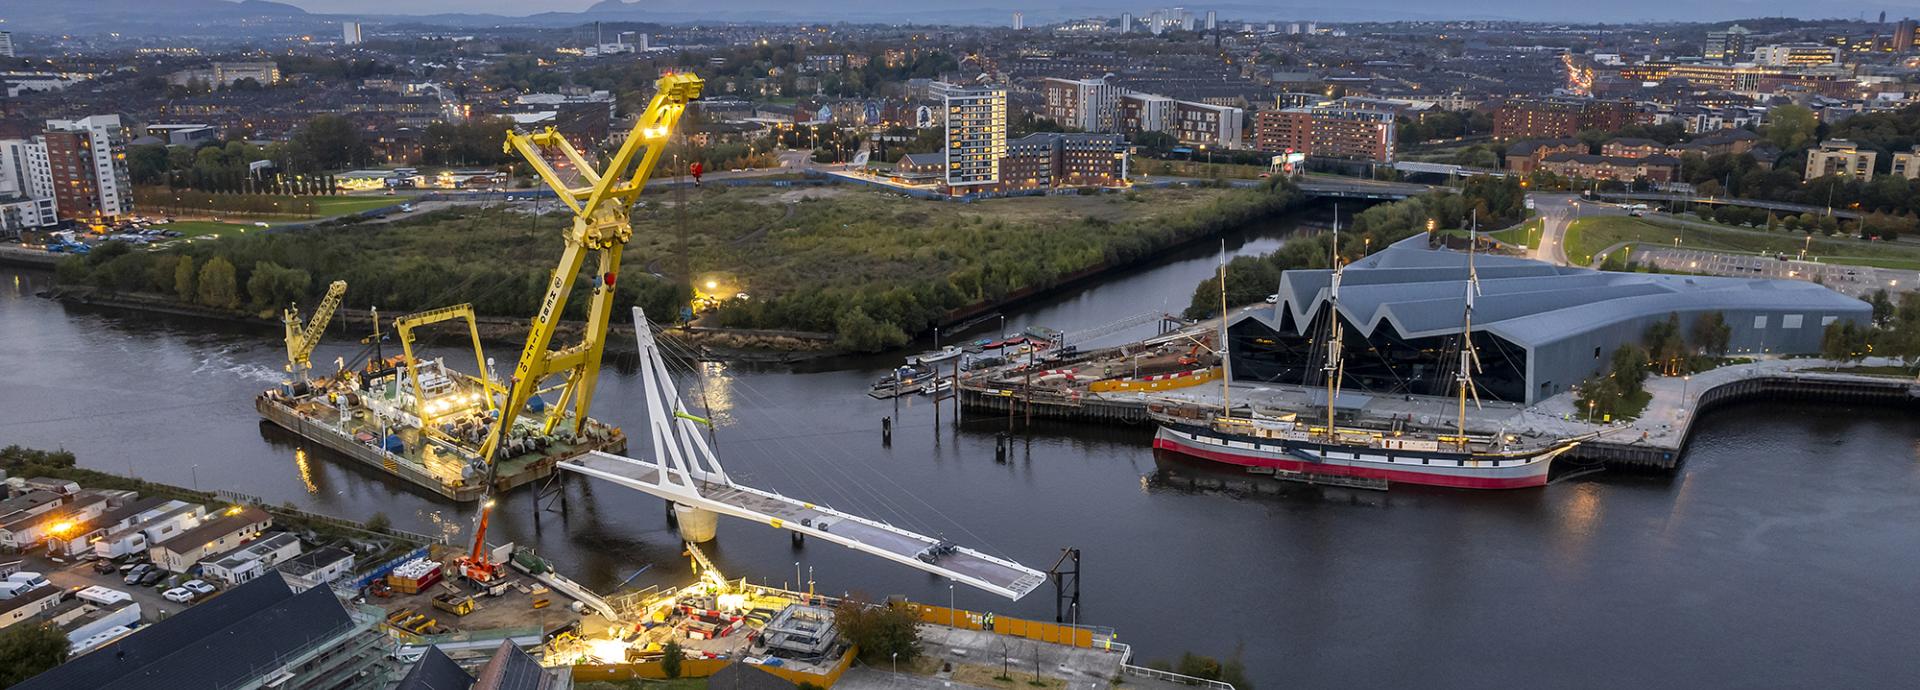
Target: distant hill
<point>139,16</point>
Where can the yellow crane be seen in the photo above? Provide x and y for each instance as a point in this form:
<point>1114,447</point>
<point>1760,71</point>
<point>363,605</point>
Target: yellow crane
<point>301,339</point>
<point>403,327</point>
<point>600,228</point>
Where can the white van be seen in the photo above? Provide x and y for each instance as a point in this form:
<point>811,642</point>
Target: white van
<point>9,590</point>
<point>32,579</point>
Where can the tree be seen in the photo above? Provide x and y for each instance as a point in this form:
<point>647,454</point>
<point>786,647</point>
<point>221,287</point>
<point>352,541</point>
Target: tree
<point>670,659</point>
<point>1710,334</point>
<point>217,284</point>
<point>883,633</point>
<point>332,141</point>
<point>183,279</point>
<point>1882,306</point>
<point>1843,342</point>
<point>27,650</point>
<point>1791,127</point>
<point>378,522</point>
<point>1665,345</point>
<point>272,286</point>
<point>855,330</point>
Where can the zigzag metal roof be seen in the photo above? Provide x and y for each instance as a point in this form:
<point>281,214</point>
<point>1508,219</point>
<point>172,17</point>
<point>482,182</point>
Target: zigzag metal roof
<point>1422,293</point>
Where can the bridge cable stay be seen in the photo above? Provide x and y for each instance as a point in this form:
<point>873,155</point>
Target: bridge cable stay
<point>774,413</point>
<point>685,471</point>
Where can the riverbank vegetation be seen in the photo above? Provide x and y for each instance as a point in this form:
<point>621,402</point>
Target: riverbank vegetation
<point>1495,202</point>
<point>867,266</point>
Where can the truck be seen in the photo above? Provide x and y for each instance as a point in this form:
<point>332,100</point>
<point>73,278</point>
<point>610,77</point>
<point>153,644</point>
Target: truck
<point>456,604</point>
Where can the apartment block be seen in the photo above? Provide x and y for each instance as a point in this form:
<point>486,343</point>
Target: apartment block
<point>1907,163</point>
<point>1329,132</point>
<point>87,161</point>
<point>1087,104</point>
<point>976,132</point>
<point>1840,157</point>
<point>1548,118</point>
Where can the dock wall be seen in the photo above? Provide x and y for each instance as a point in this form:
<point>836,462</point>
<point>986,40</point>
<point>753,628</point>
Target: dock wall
<point>1625,455</point>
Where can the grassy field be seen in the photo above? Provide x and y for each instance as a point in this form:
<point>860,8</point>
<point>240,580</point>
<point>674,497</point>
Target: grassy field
<point>823,259</point>
<point>340,205</point>
<point>1527,233</point>
<point>1589,236</point>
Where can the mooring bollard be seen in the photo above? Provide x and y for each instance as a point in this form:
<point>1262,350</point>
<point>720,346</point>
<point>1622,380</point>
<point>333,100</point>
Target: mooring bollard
<point>886,431</point>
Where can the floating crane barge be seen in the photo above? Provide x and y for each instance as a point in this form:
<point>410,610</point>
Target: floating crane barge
<point>463,435</point>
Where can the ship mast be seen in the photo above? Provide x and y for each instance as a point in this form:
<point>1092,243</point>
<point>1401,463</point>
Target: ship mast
<point>1333,367</point>
<point>1226,366</point>
<point>1469,359</point>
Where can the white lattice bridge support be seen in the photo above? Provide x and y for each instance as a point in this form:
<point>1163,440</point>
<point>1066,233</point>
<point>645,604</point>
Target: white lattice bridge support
<point>685,471</point>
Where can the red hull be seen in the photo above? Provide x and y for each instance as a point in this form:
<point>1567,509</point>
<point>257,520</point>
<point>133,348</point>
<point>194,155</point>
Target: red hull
<point>1395,476</point>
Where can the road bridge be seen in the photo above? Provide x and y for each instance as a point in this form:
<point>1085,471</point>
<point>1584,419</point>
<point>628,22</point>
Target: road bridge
<point>685,471</point>
<point>1730,201</point>
<point>1357,188</point>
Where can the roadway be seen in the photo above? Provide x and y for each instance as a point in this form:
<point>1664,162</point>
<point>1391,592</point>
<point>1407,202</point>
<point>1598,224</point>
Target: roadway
<point>1557,211</point>
<point>1850,280</point>
<point>1729,201</point>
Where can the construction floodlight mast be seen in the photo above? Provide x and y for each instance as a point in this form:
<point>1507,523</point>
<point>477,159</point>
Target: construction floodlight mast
<point>601,228</point>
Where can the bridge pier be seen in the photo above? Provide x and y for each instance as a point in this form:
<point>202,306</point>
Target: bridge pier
<point>696,525</point>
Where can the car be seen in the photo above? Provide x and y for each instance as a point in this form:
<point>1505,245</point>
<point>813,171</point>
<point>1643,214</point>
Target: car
<point>1273,298</point>
<point>198,587</point>
<point>177,595</point>
<point>104,566</point>
<point>406,208</point>
<point>137,573</point>
<point>153,576</point>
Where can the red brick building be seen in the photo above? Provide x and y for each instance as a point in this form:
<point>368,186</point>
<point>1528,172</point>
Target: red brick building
<point>1547,118</point>
<point>1330,132</point>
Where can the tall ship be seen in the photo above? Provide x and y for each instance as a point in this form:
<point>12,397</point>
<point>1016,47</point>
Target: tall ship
<point>467,435</point>
<point>1295,447</point>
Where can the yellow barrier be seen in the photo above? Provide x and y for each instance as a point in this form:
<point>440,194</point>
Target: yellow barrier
<point>1001,625</point>
<point>1158,384</point>
<point>702,668</point>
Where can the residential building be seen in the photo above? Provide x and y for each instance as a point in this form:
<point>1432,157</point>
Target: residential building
<point>976,133</point>
<point>1727,141</point>
<point>258,635</point>
<point>1019,21</point>
<point>6,44</point>
<point>1090,105</point>
<point>1047,160</point>
<point>216,535</point>
<point>28,529</point>
<point>251,560</point>
<point>1144,112</point>
<point>1727,45</point>
<point>1524,157</point>
<point>317,567</point>
<point>1327,131</point>
<point>1126,22</point>
<point>26,186</point>
<point>1907,163</point>
<point>88,161</point>
<point>184,134</point>
<point>1657,168</point>
<point>1796,55</point>
<point>927,168</point>
<point>28,604</point>
<point>350,33</point>
<point>1206,124</point>
<point>1840,157</point>
<point>224,74</point>
<point>1903,35</point>
<point>511,669</point>
<point>28,503</point>
<point>1547,118</point>
<point>1630,147</point>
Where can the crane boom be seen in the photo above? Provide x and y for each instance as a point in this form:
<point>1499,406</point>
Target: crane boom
<point>600,228</point>
<point>301,339</point>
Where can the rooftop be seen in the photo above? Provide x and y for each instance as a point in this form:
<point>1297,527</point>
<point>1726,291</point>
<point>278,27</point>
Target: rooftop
<point>215,529</point>
<point>314,560</point>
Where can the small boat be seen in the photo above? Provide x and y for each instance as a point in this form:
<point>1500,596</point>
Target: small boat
<point>1044,333</point>
<point>1010,342</point>
<point>939,387</point>
<point>940,355</point>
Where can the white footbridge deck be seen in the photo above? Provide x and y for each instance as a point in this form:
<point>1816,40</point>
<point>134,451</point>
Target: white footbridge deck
<point>685,471</point>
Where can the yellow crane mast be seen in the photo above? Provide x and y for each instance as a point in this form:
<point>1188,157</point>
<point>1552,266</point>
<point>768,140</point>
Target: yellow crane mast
<point>301,339</point>
<point>601,228</point>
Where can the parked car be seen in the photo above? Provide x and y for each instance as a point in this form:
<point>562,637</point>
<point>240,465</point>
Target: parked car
<point>198,587</point>
<point>104,566</point>
<point>138,572</point>
<point>178,595</point>
<point>153,576</point>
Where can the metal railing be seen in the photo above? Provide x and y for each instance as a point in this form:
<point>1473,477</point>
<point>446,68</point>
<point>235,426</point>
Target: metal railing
<point>1171,677</point>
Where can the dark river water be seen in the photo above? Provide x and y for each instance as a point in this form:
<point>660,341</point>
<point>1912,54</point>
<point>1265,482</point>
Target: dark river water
<point>1783,554</point>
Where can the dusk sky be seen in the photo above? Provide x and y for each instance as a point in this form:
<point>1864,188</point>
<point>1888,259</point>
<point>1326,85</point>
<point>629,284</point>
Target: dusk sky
<point>1622,10</point>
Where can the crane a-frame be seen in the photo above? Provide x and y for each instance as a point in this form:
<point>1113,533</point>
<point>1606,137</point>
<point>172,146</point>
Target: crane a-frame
<point>601,228</point>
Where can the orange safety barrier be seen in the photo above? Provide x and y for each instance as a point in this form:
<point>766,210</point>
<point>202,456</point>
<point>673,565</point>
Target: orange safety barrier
<point>1162,382</point>
<point>1001,625</point>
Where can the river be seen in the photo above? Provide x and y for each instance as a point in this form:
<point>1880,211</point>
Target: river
<point>1782,554</point>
